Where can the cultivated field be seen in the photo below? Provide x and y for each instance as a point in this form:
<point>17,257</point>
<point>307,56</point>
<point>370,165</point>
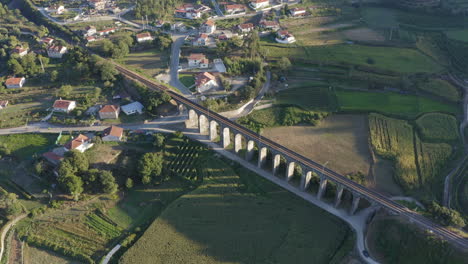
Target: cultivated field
<point>408,106</point>
<point>33,255</point>
<point>342,140</point>
<point>222,221</point>
<point>438,127</point>
<point>393,139</point>
<point>151,61</point>
<point>441,88</point>
<point>23,146</point>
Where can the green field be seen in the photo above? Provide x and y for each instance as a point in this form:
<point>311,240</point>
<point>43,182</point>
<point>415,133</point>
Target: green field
<point>151,61</point>
<point>441,88</point>
<point>187,80</point>
<point>23,146</point>
<point>240,220</point>
<point>308,98</point>
<point>407,106</point>
<point>438,127</point>
<point>401,60</point>
<point>396,242</point>
<point>460,35</point>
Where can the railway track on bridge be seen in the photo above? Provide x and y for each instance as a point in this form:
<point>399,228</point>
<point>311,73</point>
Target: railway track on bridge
<point>369,194</point>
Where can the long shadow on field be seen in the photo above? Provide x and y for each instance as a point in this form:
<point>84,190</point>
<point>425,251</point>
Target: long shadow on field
<point>217,223</point>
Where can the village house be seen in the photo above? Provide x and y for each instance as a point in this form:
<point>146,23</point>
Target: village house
<point>47,40</point>
<point>20,51</point>
<point>191,11</point>
<point>109,112</point>
<point>90,39</point>
<point>144,37</point>
<point>106,31</point>
<point>284,37</point>
<point>64,105</point>
<point>132,108</point>
<point>179,26</point>
<point>205,81</point>
<point>257,4</point>
<point>234,9</point>
<point>97,4</point>
<point>202,40</point>
<point>89,31</point>
<point>81,143</point>
<point>198,60</point>
<point>269,25</point>
<point>208,27</point>
<point>57,9</point>
<point>112,133</point>
<point>297,12</point>
<point>56,51</point>
<point>12,83</point>
<point>159,23</point>
<point>3,104</point>
<point>245,28</point>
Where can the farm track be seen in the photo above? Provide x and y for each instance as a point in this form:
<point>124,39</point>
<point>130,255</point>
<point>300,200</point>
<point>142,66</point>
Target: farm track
<point>369,194</point>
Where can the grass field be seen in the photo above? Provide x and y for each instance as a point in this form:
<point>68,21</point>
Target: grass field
<point>460,35</point>
<point>222,222</point>
<point>393,139</point>
<point>33,255</point>
<point>151,61</point>
<point>308,98</point>
<point>187,79</point>
<point>441,88</point>
<point>23,146</point>
<point>401,60</point>
<point>392,241</point>
<point>342,140</point>
<point>407,106</point>
<point>438,127</point>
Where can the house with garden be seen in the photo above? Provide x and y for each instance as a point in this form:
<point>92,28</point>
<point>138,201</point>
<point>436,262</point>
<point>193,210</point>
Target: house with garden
<point>81,143</point>
<point>284,37</point>
<point>205,81</point>
<point>56,51</point>
<point>20,51</point>
<point>132,108</point>
<point>209,27</point>
<point>144,37</point>
<point>12,83</point>
<point>109,112</point>
<point>64,106</point>
<point>198,60</point>
<point>258,4</point>
<point>231,9</point>
<point>245,28</point>
<point>113,133</point>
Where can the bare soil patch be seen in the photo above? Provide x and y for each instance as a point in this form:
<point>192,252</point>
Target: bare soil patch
<point>342,140</point>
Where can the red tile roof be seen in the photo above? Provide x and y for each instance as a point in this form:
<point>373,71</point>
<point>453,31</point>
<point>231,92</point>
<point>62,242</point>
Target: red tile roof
<point>246,26</point>
<point>197,56</point>
<point>113,131</point>
<point>143,35</point>
<point>62,104</point>
<point>234,7</point>
<point>210,23</point>
<point>109,109</point>
<point>259,1</point>
<point>202,78</point>
<point>13,81</point>
<point>76,142</point>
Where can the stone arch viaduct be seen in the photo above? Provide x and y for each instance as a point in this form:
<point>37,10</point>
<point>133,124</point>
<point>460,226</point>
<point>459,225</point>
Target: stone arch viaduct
<point>246,142</point>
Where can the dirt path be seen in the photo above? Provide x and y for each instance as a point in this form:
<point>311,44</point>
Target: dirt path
<point>15,250</point>
<point>5,231</point>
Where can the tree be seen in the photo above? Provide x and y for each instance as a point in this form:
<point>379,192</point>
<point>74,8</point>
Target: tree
<point>108,183</point>
<point>150,166</point>
<point>159,140</point>
<point>129,183</point>
<point>54,75</point>
<point>66,169</point>
<point>11,204</point>
<point>446,216</point>
<point>15,67</point>
<point>73,185</point>
<point>64,90</point>
<point>162,41</point>
<point>284,64</point>
<point>104,68</point>
<point>78,160</point>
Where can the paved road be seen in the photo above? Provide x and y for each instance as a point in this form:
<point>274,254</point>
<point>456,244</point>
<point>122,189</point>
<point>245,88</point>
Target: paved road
<point>368,194</point>
<point>174,69</point>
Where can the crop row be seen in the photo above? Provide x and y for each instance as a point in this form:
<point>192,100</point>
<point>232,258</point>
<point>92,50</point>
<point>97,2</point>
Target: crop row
<point>102,226</point>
